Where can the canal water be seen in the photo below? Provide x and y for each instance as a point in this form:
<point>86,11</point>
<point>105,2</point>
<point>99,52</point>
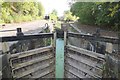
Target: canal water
<point>59,58</point>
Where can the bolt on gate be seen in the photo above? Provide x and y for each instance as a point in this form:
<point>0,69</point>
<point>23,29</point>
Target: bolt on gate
<point>27,58</point>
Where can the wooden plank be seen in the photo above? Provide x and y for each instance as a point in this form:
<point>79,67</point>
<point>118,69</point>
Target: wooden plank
<point>1,56</point>
<point>35,64</point>
<point>30,71</point>
<point>0,75</point>
<point>42,74</point>
<point>86,52</point>
<point>47,71</point>
<point>17,66</point>
<point>85,61</point>
<point>83,70</point>
<point>34,69</point>
<point>68,74</point>
<point>89,68</point>
<point>50,75</point>
<point>30,52</point>
<point>67,68</point>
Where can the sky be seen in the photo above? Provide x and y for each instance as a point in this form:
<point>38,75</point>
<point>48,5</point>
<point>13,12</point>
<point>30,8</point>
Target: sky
<point>59,5</point>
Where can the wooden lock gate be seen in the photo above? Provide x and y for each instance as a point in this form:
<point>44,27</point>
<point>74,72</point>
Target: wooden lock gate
<point>38,62</point>
<point>82,63</point>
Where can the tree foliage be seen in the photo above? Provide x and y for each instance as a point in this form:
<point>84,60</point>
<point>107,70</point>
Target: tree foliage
<point>68,16</point>
<point>84,11</point>
<point>21,11</point>
<point>53,15</point>
<point>106,14</point>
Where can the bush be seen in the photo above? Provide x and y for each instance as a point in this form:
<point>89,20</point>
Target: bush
<point>27,18</point>
<point>22,18</point>
<point>1,21</point>
<point>17,18</point>
<point>69,17</point>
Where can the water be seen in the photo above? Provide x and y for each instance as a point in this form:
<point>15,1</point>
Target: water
<point>59,58</point>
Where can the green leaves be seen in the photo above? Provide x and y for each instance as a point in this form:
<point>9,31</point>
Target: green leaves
<point>53,15</point>
<point>68,16</point>
<point>85,12</point>
<point>21,11</point>
<point>98,13</point>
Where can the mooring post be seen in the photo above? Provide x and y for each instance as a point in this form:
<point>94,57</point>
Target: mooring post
<point>118,54</point>
<point>119,44</point>
<point>65,38</point>
<point>64,28</point>
<point>19,32</point>
<point>54,43</point>
<point>96,35</point>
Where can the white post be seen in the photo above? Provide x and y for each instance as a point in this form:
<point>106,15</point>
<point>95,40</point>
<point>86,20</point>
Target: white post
<point>65,38</point>
<point>109,47</point>
<point>5,46</point>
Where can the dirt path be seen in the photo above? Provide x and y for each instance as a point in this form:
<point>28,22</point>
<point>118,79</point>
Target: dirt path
<point>26,26</point>
<point>92,29</point>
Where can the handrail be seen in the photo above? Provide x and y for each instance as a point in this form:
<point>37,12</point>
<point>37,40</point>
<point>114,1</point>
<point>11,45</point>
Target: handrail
<point>26,37</point>
<point>8,30</point>
<point>92,37</point>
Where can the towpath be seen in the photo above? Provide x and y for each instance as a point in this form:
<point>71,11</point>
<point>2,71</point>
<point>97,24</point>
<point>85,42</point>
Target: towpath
<point>26,27</point>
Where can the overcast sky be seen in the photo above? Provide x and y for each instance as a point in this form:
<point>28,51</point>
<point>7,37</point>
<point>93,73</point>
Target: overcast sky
<point>59,5</point>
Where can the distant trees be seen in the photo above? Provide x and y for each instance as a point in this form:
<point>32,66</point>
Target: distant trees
<point>105,14</point>
<point>53,15</point>
<point>21,11</point>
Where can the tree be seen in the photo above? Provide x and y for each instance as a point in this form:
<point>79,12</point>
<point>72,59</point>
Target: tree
<point>54,12</point>
<point>104,14</point>
<point>41,9</point>
<point>108,15</point>
<point>21,11</point>
<point>85,12</point>
<point>53,15</point>
<point>69,17</point>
